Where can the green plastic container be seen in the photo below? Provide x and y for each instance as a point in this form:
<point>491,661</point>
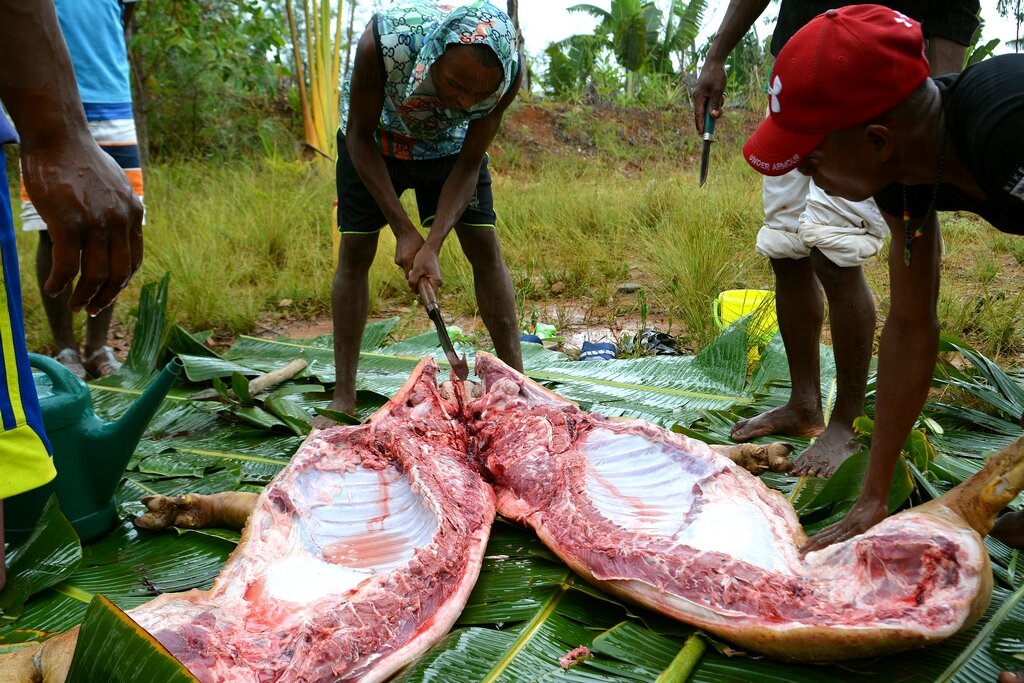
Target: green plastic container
<point>90,454</point>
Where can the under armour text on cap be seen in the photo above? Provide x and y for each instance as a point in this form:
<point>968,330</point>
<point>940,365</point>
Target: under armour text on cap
<point>845,67</point>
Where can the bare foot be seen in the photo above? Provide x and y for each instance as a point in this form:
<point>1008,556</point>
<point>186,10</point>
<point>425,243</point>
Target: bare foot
<point>784,421</point>
<point>323,422</point>
<point>1009,529</point>
<point>827,453</point>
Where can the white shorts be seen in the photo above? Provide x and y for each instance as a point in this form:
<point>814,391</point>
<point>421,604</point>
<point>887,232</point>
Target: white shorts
<point>799,216</point>
<point>117,138</point>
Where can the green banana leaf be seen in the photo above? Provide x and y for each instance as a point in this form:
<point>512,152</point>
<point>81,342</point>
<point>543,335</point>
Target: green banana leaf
<point>528,610</point>
<point>111,647</point>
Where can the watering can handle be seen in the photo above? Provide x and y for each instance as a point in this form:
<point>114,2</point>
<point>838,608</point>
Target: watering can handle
<point>61,378</point>
<point>716,311</point>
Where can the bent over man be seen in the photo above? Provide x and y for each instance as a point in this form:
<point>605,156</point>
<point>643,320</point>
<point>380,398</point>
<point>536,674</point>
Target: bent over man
<point>812,237</point>
<point>427,93</point>
<point>858,113</point>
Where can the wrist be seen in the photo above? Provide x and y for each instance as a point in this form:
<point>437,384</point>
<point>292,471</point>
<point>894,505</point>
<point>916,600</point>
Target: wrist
<point>715,58</point>
<point>402,228</point>
<point>54,130</point>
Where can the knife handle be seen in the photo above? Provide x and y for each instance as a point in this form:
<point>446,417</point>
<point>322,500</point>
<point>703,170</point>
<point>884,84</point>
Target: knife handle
<point>709,121</point>
<point>427,295</point>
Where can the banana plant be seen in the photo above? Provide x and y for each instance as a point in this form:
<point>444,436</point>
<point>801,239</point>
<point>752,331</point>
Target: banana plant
<point>630,30</point>
<point>317,71</point>
<point>682,25</point>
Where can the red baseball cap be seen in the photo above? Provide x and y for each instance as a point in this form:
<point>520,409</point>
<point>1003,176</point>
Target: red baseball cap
<point>843,68</point>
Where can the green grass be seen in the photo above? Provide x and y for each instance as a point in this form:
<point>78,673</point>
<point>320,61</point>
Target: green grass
<point>587,198</point>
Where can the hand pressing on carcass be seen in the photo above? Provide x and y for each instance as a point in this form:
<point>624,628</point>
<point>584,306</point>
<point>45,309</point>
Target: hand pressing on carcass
<point>864,514</point>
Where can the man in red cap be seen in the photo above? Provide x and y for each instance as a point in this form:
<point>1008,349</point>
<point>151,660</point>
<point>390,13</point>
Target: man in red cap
<point>811,238</point>
<point>854,109</point>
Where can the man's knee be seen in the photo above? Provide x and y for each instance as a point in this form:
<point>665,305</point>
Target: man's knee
<point>481,246</point>
<point>832,275</point>
<point>356,253</point>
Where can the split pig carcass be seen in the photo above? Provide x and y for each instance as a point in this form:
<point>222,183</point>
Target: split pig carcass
<point>664,521</point>
<point>355,559</point>
<point>652,516</point>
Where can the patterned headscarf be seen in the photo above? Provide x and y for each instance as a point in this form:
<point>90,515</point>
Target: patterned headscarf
<point>412,36</point>
<point>479,23</point>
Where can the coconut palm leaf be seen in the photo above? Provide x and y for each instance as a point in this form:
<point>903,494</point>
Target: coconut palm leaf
<point>987,382</point>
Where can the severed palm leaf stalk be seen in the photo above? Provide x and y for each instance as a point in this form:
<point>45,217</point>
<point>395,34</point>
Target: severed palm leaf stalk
<point>317,71</point>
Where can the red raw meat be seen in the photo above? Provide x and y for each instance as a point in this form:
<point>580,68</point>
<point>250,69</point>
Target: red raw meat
<point>664,521</point>
<point>358,556</point>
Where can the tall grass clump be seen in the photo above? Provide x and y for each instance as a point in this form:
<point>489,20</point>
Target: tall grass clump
<point>701,243</point>
<point>236,237</point>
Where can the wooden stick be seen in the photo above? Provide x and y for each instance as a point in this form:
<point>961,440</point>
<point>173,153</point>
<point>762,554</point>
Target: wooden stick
<point>261,382</point>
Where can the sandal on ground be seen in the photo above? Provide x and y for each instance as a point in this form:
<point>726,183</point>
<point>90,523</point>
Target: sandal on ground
<point>598,351</point>
<point>70,359</point>
<point>102,362</point>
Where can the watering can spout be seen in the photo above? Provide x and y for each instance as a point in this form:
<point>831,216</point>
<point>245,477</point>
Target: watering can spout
<point>90,454</point>
<point>127,431</point>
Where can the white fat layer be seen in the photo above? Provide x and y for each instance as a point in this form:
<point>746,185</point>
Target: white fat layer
<point>638,484</point>
<point>303,579</point>
<point>738,529</point>
<point>364,518</point>
<point>646,486</point>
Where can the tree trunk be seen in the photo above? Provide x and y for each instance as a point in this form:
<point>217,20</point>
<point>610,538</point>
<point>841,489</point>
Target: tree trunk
<point>348,41</point>
<point>513,13</point>
<point>140,96</point>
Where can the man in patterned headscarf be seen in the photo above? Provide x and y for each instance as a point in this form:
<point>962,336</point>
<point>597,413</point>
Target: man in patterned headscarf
<point>426,96</point>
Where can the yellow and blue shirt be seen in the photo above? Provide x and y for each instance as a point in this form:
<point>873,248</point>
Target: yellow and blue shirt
<point>25,461</point>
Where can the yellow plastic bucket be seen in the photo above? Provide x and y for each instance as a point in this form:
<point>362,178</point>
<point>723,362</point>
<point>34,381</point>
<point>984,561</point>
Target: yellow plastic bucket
<point>733,304</point>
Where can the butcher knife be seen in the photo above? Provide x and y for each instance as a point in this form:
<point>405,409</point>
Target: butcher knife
<point>429,299</point>
<point>709,137</point>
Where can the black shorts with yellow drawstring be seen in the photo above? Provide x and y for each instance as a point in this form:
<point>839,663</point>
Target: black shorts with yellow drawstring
<point>358,212</point>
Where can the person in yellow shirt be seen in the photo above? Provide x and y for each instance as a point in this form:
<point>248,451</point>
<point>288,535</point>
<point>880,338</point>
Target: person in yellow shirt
<point>94,217</point>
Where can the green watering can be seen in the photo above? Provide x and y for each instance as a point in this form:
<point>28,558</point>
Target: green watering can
<point>90,454</point>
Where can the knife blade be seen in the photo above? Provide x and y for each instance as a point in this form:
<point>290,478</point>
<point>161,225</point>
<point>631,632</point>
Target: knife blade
<point>709,137</point>
<point>429,299</point>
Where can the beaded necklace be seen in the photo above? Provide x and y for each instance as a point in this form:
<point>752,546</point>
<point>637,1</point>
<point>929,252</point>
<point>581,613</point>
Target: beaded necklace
<point>910,234</point>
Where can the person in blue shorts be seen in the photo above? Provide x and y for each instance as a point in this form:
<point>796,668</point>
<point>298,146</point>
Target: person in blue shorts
<point>94,33</point>
<point>94,218</point>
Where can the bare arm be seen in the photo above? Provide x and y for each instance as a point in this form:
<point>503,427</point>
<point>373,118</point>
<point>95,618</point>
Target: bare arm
<point>907,352</point>
<point>366,101</point>
<point>92,214</point>
<point>738,19</point>
<point>459,187</point>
